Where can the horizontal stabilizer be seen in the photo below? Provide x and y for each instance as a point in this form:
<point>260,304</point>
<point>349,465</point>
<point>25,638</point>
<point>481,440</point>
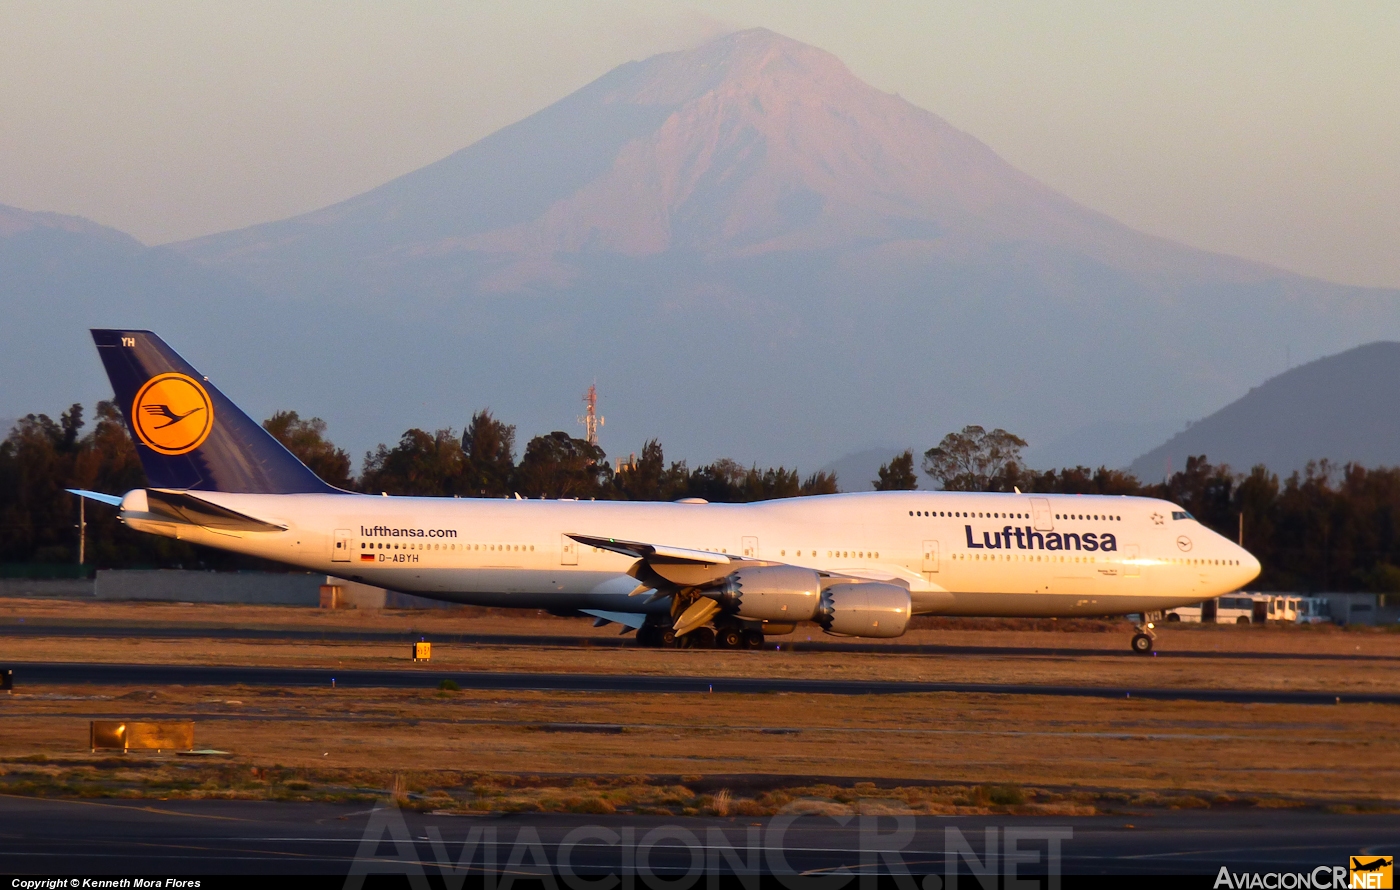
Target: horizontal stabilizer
<point>114,500</point>
<point>184,507</point>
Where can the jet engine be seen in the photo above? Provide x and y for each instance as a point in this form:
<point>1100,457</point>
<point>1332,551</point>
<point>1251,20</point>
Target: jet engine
<point>865,610</point>
<point>771,593</point>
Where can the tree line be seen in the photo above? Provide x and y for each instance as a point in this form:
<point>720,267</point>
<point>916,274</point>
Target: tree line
<point>41,457</point>
<point>1325,528</point>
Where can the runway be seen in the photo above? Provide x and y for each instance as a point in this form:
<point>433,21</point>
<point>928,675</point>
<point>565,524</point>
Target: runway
<point>106,630</point>
<point>30,674</point>
<point>78,837</point>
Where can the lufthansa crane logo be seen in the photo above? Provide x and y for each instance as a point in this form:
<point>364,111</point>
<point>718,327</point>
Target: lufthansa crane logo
<point>172,414</point>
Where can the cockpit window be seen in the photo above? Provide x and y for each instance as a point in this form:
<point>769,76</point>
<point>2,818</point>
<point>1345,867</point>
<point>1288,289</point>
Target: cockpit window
<point>1181,514</point>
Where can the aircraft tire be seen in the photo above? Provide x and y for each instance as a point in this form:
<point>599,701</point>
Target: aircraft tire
<point>753,639</point>
<point>729,638</point>
<point>1142,644</point>
<point>666,638</point>
<point>700,638</point>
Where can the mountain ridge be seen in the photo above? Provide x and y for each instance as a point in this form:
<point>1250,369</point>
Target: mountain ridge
<point>16,221</point>
<point>1341,408</point>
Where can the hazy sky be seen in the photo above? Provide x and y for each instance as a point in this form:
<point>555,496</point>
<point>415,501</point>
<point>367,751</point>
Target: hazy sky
<point>1270,130</point>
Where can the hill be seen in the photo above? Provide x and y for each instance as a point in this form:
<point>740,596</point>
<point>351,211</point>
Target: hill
<point>61,275</point>
<point>1342,408</point>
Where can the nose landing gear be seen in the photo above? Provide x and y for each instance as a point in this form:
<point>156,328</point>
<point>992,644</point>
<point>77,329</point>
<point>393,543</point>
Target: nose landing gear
<point>1146,637</point>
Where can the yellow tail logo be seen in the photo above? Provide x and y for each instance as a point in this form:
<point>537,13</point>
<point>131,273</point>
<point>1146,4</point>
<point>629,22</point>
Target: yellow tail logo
<point>172,414</point>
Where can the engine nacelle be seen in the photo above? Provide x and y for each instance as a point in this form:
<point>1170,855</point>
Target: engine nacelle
<point>865,610</point>
<point>771,593</point>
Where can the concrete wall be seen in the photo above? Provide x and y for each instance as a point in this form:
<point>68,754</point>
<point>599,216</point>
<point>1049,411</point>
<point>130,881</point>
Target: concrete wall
<point>52,588</point>
<point>171,585</point>
<point>355,595</point>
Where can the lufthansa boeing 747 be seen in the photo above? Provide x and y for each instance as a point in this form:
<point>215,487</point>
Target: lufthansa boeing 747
<point>690,573</point>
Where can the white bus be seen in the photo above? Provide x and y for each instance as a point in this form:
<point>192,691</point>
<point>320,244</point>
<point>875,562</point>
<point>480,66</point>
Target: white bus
<point>1313,610</point>
<point>1242,608</point>
<point>1255,608</point>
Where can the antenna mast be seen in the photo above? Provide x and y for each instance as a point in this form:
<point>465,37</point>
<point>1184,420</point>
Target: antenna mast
<point>591,419</point>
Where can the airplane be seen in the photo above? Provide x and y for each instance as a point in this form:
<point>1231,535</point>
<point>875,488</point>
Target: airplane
<point>1373,865</point>
<point>689,574</point>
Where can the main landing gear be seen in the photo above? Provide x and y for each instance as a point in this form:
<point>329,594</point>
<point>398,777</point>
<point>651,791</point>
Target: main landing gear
<point>723,635</point>
<point>1146,637</point>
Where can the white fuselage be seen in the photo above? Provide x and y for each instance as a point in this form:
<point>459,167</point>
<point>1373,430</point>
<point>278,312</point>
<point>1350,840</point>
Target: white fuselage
<point>959,554</point>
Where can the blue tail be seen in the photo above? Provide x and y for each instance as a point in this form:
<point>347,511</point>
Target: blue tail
<point>187,433</point>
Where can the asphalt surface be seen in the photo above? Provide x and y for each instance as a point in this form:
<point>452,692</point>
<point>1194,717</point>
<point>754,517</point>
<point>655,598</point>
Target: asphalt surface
<point>38,674</point>
<point>84,837</point>
<point>22,628</point>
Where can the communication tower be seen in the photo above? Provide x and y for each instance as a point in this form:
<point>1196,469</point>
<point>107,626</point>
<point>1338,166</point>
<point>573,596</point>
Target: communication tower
<point>591,420</point>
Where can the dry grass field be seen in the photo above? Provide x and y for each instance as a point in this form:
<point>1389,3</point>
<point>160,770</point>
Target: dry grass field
<point>746,754</point>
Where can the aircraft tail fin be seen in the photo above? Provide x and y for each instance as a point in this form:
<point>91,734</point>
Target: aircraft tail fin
<point>187,433</point>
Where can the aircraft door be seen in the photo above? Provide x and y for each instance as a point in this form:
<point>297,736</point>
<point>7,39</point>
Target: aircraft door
<point>750,547</point>
<point>568,551</point>
<point>1040,511</point>
<point>930,557</point>
<point>340,547</point>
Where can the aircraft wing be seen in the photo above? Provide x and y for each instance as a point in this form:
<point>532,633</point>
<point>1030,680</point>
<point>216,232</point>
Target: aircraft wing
<point>628,620</point>
<point>642,550</point>
<point>660,565</point>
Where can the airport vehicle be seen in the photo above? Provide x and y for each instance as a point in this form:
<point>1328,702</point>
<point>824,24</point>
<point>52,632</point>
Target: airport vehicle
<point>1188,614</point>
<point>1251,608</point>
<point>1242,608</point>
<point>1314,610</point>
<point>1283,607</point>
<point>694,574</point>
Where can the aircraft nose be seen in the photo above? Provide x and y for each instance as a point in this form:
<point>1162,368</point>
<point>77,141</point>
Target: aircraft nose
<point>1249,566</point>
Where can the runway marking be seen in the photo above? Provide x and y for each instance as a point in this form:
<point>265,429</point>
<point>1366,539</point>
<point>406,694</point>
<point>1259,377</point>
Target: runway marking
<point>127,808</point>
<point>9,627</point>
<point>108,673</point>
